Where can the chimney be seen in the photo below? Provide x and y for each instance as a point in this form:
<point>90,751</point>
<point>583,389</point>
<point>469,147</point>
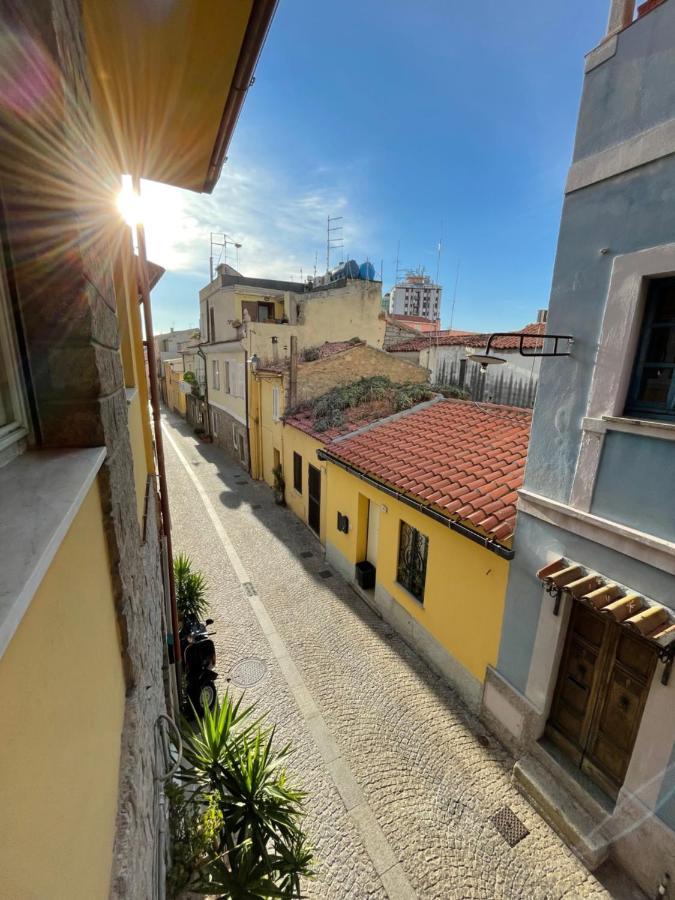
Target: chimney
<point>293,373</point>
<point>620,15</point>
<point>542,316</point>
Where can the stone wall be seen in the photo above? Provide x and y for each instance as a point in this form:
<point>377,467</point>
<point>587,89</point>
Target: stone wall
<point>395,333</point>
<point>319,376</point>
<point>57,195</point>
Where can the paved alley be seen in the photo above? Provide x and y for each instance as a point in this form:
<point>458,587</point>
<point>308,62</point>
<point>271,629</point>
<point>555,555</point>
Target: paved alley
<point>402,779</point>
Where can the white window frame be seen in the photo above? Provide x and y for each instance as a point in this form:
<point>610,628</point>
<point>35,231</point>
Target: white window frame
<point>215,372</point>
<point>276,397</point>
<point>15,429</point>
<point>617,347</point>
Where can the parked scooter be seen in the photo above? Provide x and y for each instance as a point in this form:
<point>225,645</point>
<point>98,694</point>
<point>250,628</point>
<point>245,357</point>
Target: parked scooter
<point>199,659</point>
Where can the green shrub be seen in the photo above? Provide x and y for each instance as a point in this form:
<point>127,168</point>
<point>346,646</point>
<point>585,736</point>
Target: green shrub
<point>190,589</point>
<point>246,839</point>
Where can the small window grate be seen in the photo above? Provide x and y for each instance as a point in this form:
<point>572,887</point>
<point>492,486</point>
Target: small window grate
<point>509,826</point>
<point>249,589</point>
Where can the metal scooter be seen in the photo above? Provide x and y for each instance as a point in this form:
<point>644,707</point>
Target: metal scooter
<point>199,660</point>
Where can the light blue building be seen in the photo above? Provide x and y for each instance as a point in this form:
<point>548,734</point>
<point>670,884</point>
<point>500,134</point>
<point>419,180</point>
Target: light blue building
<point>583,691</point>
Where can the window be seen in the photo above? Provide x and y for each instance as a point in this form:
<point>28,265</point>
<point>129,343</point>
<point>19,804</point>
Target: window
<point>216,374</point>
<point>411,571</point>
<point>297,472</point>
<point>275,403</point>
<point>226,385</point>
<point>652,390</point>
<point>214,421</point>
<point>212,324</point>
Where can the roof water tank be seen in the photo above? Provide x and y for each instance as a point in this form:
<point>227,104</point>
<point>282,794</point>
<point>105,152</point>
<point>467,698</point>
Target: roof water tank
<point>367,271</point>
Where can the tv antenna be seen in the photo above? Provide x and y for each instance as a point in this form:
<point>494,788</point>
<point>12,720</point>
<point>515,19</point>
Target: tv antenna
<point>334,237</point>
<point>223,244</point>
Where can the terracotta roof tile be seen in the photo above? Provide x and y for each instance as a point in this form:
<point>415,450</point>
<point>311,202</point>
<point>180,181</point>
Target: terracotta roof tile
<point>465,459</point>
<point>534,331</point>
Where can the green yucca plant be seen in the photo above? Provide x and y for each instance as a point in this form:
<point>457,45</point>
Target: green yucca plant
<point>190,589</point>
<point>262,850</point>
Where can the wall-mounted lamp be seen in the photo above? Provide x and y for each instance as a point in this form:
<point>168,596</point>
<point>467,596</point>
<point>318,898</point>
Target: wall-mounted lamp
<point>253,361</point>
<point>484,359</point>
<point>342,523</point>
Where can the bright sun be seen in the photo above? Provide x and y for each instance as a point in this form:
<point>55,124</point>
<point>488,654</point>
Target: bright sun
<point>163,212</point>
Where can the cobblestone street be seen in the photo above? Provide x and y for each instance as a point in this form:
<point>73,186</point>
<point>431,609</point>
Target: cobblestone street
<point>402,779</point>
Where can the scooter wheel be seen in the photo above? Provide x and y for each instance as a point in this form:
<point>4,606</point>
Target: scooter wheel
<point>207,696</point>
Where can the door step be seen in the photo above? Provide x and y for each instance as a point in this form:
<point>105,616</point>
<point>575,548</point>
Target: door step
<point>574,824</point>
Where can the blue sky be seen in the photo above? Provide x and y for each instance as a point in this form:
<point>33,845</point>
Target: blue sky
<point>412,121</point>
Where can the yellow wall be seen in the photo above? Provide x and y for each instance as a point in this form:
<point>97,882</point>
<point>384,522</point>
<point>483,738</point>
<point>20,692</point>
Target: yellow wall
<point>465,584</point>
<point>61,708</point>
<point>175,398</point>
<point>299,442</point>
<point>270,433</point>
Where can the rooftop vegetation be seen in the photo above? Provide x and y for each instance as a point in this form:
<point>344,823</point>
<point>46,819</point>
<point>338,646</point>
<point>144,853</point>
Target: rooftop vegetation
<point>366,398</point>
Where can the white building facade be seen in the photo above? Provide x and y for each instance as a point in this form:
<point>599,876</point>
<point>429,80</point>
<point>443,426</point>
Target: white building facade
<point>416,296</point>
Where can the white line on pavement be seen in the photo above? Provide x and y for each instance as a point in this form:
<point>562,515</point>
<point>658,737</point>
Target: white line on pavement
<point>374,840</point>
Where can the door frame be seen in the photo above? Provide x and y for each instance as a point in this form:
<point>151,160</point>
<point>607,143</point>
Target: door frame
<point>599,695</point>
<point>317,498</point>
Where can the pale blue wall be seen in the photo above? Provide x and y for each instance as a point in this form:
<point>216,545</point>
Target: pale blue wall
<point>636,483</point>
<point>625,95</point>
<point>537,543</point>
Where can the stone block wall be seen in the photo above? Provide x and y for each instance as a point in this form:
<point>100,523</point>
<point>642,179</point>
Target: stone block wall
<point>319,376</point>
<point>57,198</point>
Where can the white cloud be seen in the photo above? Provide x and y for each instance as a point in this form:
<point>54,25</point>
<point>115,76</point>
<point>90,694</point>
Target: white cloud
<point>280,225</point>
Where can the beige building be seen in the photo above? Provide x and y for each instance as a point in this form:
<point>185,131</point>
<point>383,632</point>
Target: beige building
<point>278,389</point>
<point>252,320</point>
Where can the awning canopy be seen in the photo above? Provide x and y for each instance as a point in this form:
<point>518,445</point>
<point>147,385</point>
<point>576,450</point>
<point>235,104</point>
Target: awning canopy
<point>170,77</point>
<point>641,615</point>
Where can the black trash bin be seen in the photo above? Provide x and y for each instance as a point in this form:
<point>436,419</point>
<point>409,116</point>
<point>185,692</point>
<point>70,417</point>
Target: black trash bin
<point>365,575</point>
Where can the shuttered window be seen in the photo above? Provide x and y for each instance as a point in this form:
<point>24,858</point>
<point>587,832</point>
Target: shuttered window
<point>411,571</point>
<point>297,472</point>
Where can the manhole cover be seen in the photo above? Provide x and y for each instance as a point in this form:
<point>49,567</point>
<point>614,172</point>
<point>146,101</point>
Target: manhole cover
<point>509,826</point>
<point>306,554</point>
<point>483,740</point>
<point>248,672</point>
<point>325,574</point>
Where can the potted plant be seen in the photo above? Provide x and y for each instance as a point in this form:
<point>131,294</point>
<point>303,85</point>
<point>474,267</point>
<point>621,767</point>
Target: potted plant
<point>190,589</point>
<point>279,485</point>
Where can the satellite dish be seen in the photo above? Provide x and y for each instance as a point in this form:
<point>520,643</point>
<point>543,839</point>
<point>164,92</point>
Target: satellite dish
<point>484,360</point>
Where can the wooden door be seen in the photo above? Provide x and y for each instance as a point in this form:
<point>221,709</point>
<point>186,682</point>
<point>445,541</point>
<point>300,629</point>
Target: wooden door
<point>602,686</point>
<point>373,532</point>
<point>314,499</point>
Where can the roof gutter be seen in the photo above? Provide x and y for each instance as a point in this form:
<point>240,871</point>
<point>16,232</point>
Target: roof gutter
<point>254,39</point>
<point>486,543</point>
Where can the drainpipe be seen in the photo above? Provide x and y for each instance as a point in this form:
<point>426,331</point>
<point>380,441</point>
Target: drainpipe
<point>159,443</point>
<point>201,353</point>
<point>487,543</point>
<point>248,427</point>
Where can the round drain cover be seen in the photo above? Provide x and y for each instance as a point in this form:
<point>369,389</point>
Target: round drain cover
<point>248,672</point>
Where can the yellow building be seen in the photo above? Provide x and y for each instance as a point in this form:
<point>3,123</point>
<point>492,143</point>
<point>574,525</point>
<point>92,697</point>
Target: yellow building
<point>247,321</point>
<point>420,510</point>
<point>84,610</point>
<point>292,442</point>
<point>175,387</point>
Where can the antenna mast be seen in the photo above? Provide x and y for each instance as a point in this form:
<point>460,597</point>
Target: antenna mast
<point>226,239</point>
<point>334,238</point>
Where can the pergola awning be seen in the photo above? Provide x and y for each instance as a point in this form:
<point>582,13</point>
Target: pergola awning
<point>643,616</point>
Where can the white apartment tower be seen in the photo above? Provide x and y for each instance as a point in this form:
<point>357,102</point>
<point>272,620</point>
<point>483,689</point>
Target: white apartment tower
<point>416,296</point>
